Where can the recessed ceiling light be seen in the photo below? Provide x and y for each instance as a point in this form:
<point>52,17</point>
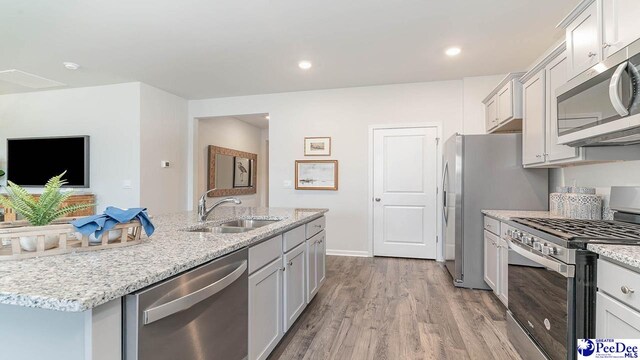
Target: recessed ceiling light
<point>267,117</point>
<point>305,65</point>
<point>453,51</point>
<point>71,65</point>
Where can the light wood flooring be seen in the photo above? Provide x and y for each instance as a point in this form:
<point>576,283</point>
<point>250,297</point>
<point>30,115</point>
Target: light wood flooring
<point>389,308</point>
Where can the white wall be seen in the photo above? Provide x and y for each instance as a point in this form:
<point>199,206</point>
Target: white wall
<point>108,114</point>
<point>475,90</point>
<point>163,137</point>
<point>230,133</point>
<point>132,127</point>
<point>345,115</point>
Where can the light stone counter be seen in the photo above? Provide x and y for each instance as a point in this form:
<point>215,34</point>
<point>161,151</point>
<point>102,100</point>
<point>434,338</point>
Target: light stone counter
<point>82,281</point>
<point>628,255</point>
<point>506,215</point>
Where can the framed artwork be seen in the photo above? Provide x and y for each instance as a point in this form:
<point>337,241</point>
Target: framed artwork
<point>317,146</point>
<point>316,174</point>
<point>241,172</point>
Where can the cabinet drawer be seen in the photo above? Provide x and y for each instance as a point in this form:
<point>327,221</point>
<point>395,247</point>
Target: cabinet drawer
<point>264,253</point>
<point>293,238</point>
<point>315,227</point>
<point>614,320</point>
<point>616,280</point>
<point>492,225</point>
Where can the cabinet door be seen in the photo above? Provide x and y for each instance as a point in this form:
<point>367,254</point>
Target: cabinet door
<point>503,268</point>
<point>620,25</point>
<point>505,103</point>
<point>533,121</point>
<point>555,76</point>
<point>583,41</point>
<point>294,284</point>
<point>321,256</point>
<point>491,260</point>
<point>312,268</point>
<point>491,113</point>
<point>265,310</point>
<point>615,320</point>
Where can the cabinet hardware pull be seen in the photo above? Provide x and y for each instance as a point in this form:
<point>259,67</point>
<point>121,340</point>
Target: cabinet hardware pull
<point>626,290</point>
<point>592,54</point>
<point>290,263</point>
<point>606,45</point>
<point>317,226</point>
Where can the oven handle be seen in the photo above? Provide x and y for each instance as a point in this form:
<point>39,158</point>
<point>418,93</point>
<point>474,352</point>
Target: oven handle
<point>565,270</point>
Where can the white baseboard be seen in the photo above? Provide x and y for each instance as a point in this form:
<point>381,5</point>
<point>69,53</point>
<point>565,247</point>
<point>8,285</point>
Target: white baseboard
<point>348,253</point>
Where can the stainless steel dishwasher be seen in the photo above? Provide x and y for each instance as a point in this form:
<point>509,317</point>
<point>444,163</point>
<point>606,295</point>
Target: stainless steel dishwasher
<point>200,314</point>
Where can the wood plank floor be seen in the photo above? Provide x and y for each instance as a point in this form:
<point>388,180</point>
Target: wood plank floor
<point>389,308</point>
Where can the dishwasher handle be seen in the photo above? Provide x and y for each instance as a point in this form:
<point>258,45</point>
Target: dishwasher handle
<point>187,301</point>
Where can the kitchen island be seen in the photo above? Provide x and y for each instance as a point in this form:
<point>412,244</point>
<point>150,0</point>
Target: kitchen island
<point>62,305</point>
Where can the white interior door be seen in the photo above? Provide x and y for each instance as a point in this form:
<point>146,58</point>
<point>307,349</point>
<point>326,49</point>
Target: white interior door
<point>404,191</point>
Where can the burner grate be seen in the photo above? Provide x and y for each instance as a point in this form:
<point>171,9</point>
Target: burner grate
<point>575,230</point>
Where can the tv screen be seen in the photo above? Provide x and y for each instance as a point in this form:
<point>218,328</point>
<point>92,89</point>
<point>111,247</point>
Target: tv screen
<point>33,161</point>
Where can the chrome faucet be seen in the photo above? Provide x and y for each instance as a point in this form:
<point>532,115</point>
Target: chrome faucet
<point>203,212</point>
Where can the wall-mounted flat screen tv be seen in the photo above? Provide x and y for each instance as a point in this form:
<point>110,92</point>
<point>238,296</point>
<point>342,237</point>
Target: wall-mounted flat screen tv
<point>33,161</point>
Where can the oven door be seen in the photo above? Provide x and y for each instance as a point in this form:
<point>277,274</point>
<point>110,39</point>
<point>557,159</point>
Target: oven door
<point>540,299</point>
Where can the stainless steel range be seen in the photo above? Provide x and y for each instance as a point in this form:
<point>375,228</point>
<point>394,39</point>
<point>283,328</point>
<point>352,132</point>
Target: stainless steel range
<point>552,277</point>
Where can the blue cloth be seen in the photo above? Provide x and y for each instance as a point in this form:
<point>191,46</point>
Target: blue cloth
<point>112,216</point>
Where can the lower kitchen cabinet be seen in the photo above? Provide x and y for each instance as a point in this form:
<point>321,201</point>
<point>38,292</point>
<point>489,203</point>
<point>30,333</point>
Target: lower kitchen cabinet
<point>491,260</point>
<point>617,303</point>
<point>265,310</point>
<point>294,284</point>
<point>315,264</point>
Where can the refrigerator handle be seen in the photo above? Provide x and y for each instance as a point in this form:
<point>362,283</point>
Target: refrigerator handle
<point>445,209</point>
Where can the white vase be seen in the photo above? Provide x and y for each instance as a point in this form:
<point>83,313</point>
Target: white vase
<point>30,243</point>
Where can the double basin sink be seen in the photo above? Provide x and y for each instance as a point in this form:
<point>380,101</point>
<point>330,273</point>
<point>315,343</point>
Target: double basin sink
<point>234,226</point>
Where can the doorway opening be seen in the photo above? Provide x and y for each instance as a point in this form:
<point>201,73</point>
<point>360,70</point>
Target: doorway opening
<point>233,158</point>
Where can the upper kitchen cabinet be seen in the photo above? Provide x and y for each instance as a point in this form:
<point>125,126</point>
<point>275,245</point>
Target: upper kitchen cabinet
<point>503,106</point>
<point>619,23</point>
<point>596,29</point>
<point>533,138</point>
<point>583,38</point>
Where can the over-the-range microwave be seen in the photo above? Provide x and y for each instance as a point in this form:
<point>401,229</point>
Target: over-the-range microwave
<point>601,106</point>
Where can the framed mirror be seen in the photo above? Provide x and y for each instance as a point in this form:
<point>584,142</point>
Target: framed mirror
<point>231,172</point>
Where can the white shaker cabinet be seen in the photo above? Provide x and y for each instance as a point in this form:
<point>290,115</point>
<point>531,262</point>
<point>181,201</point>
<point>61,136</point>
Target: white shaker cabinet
<point>533,122</point>
<point>295,299</point>
<point>491,260</point>
<point>617,302</point>
<point>555,76</point>
<point>315,264</point>
<point>491,113</point>
<point>583,41</point>
<point>620,24</point>
<point>265,310</point>
<point>503,268</point>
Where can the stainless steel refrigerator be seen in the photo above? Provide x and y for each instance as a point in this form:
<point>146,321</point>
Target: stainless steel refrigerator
<point>483,172</point>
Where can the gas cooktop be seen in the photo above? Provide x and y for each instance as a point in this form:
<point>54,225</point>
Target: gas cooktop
<point>585,230</point>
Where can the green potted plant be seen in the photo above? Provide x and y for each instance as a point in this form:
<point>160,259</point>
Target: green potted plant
<point>42,211</point>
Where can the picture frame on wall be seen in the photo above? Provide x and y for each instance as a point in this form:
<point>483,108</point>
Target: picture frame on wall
<point>241,172</point>
<point>316,174</point>
<point>317,146</point>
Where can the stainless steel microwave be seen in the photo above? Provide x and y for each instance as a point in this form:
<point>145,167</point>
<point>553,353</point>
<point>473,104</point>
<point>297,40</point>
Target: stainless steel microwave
<point>601,106</point>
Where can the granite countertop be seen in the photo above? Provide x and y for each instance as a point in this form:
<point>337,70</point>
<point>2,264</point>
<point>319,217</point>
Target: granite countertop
<point>626,254</point>
<point>507,215</point>
<point>82,281</point>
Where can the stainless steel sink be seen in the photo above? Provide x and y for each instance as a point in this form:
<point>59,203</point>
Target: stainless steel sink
<point>248,223</point>
<point>220,230</point>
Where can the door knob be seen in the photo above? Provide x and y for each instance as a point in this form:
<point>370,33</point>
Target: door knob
<point>377,199</point>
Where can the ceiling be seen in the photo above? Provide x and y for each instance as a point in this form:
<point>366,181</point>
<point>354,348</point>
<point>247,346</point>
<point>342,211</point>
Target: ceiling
<point>200,49</point>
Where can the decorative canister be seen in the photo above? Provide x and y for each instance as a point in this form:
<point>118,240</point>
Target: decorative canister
<point>556,204</point>
<point>582,206</point>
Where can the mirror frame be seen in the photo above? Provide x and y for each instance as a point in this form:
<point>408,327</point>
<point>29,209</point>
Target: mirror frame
<point>211,184</point>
